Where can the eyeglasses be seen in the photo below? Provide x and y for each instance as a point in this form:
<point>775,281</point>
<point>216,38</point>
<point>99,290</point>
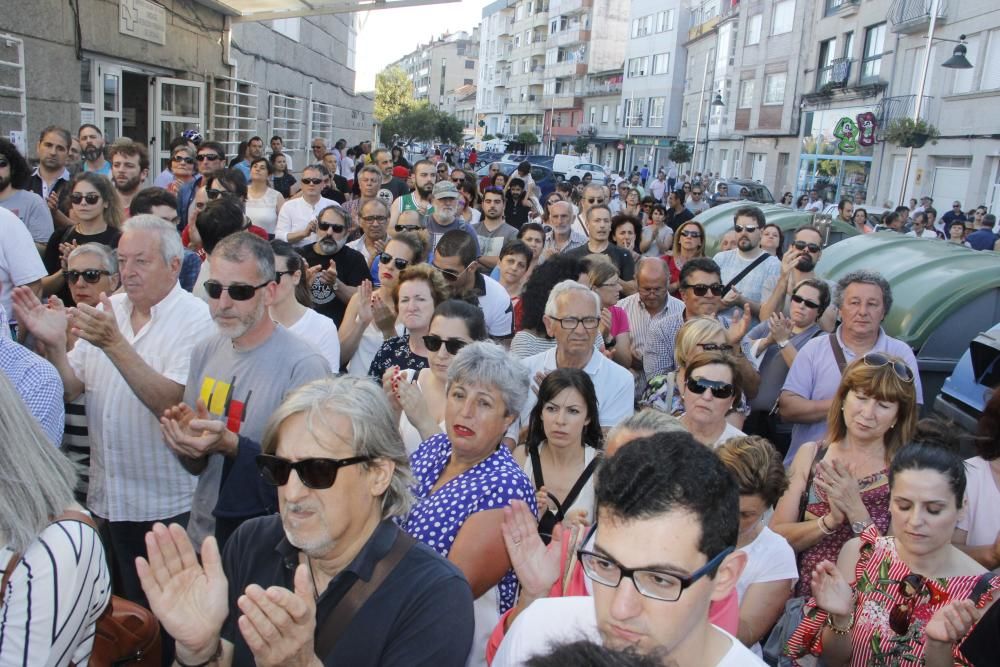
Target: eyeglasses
<point>408,228</point>
<point>314,473</point>
<point>691,234</point>
<point>89,275</point>
<point>595,200</point>
<point>213,193</point>
<point>802,245</point>
<point>702,290</point>
<point>183,158</point>
<point>90,198</point>
<point>877,360</point>
<point>695,193</point>
<point>804,301</point>
<point>400,263</point>
<point>211,157</point>
<point>654,584</point>
<point>237,292</point>
<point>571,323</point>
<point>335,226</point>
<point>453,345</point>
<point>374,218</point>
<point>701,385</point>
<point>749,229</point>
<point>278,275</point>
<point>716,347</point>
<point>312,181</point>
<point>449,275</point>
<point>901,615</point>
<point>458,181</point>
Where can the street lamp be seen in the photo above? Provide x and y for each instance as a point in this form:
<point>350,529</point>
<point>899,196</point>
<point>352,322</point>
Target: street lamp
<point>958,59</point>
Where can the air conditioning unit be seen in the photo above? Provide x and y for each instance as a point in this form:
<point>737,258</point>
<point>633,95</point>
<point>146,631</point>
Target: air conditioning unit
<point>531,98</point>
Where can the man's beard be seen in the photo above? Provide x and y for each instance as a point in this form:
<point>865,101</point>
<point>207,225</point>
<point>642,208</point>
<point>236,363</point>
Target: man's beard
<point>245,323</point>
<point>330,246</point>
<point>91,153</point>
<point>426,190</point>
<point>745,242</point>
<point>131,185</point>
<point>805,264</point>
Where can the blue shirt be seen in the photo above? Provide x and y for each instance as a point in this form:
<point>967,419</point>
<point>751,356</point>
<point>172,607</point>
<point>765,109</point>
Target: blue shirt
<point>983,239</point>
<point>244,168</point>
<point>36,380</point>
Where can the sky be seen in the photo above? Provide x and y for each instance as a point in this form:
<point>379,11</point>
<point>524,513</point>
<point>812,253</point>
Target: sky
<point>386,35</point>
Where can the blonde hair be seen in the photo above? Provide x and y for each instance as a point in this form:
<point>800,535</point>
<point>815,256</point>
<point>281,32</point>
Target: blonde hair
<point>677,238</point>
<point>695,331</point>
<point>756,466</point>
<point>600,269</point>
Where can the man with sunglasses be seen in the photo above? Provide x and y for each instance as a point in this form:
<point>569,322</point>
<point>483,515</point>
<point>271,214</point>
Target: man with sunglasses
<point>335,270</point>
<point>657,559</point>
<point>331,579</point>
<point>456,258</point>
<point>593,195</point>
<point>297,219</point>
<point>695,203</point>
<point>748,223</point>
<point>798,264</point>
<point>421,199</point>
<point>237,378</point>
<point>617,202</point>
<point>373,217</point>
<point>863,298</point>
<point>210,158</point>
<point>493,232</point>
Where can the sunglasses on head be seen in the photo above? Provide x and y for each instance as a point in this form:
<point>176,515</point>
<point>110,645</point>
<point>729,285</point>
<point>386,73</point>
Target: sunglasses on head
<point>691,234</point>
<point>811,247</point>
<point>237,292</point>
<point>90,198</point>
<point>408,228</point>
<point>311,181</point>
<point>399,262</point>
<point>901,615</point>
<point>208,156</point>
<point>719,389</point>
<point>453,345</point>
<point>314,473</point>
<point>89,275</point>
<point>335,226</point>
<point>749,229</point>
<point>804,301</point>
<point>702,290</point>
<point>877,360</point>
<point>183,158</point>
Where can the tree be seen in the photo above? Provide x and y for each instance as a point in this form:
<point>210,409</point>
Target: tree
<point>421,122</point>
<point>488,137</point>
<point>528,139</point>
<point>581,146</point>
<point>680,152</point>
<point>393,93</point>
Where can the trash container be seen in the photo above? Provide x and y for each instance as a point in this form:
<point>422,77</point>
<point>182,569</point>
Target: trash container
<point>719,219</point>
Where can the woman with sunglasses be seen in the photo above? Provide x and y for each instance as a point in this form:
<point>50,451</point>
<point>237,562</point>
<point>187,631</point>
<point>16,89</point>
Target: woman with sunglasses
<point>370,316</point>
<point>689,242</point>
<point>786,200</point>
<point>542,215</point>
<point>907,599</point>
<point>96,215</point>
<point>182,166</point>
<point>711,386</point>
<point>419,396</point>
<point>418,291</point>
<point>281,178</point>
<point>772,240</point>
<point>603,278</point>
<point>801,202</point>
<point>263,201</point>
<point>839,487</point>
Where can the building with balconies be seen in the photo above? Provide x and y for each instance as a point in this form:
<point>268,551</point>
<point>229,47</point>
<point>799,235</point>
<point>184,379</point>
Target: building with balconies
<point>601,124</point>
<point>495,47</point>
<point>441,66</point>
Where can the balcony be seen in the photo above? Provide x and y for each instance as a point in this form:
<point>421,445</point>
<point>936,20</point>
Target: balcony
<point>610,87</point>
<point>506,27</point>
<point>532,105</point>
<point>536,76</point>
<point>834,75</point>
<point>503,55</point>
<point>702,28</point>
<point>573,35</point>
<point>908,17</point>
<point>902,106</point>
<point>842,7</point>
<point>565,68</point>
<point>539,20</point>
<point>567,100</point>
<point>571,7</point>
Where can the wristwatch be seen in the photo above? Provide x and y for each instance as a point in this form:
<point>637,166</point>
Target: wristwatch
<point>859,526</point>
<point>782,344</point>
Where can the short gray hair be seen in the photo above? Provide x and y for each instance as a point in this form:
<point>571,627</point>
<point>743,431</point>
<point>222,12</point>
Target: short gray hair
<point>385,207</point>
<point>107,255</point>
<point>487,364</point>
<point>241,246</point>
<point>565,287</point>
<point>562,202</point>
<point>869,278</point>
<point>374,428</point>
<point>170,241</point>
<point>647,419</point>
<point>371,169</point>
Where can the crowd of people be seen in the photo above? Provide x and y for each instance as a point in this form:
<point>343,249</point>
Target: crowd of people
<point>496,406</point>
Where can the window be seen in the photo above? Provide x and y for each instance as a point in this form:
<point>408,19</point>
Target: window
<point>991,63</point>
<point>638,66</point>
<point>467,82</point>
<point>784,14</point>
<point>604,114</point>
<point>288,27</point>
<point>824,73</point>
<point>593,115</point>
<point>871,64</point>
<point>470,64</point>
<point>753,28</point>
<point>746,94</point>
<point>665,20</point>
<point>661,63</point>
<point>656,106</point>
<point>774,88</point>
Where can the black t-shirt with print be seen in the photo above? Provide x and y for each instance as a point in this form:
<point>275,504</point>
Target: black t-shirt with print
<point>351,270</point>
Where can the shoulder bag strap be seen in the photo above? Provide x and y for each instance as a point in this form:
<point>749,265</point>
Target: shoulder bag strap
<point>536,467</point>
<point>336,623</point>
<point>838,352</point>
<point>581,481</point>
<point>821,449</point>
<point>742,274</point>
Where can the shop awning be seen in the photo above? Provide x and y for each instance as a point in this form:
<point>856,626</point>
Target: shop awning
<point>243,11</point>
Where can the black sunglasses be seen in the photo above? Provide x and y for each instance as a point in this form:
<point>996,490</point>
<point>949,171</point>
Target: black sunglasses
<point>595,200</point>
<point>237,292</point>
<point>335,226</point>
<point>749,229</point>
<point>209,156</point>
<point>312,181</point>
<point>449,275</point>
<point>400,263</point>
<point>877,360</point>
<point>691,234</point>
<point>408,228</point>
<point>89,275</point>
<point>314,473</point>
<point>804,301</point>
<point>802,245</point>
<point>213,193</point>
<point>453,345</point>
<point>91,198</point>
<point>719,389</point>
<point>183,158</point>
<point>702,290</point>
<point>901,615</point>
<point>716,347</point>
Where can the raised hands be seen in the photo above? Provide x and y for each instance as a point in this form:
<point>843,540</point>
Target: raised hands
<point>953,621</point>
<point>781,327</point>
<point>832,592</point>
<point>837,481</point>
<point>739,326</point>
<point>97,327</point>
<point>364,297</point>
<point>193,433</point>
<point>47,323</point>
<point>278,624</point>
<point>536,563</point>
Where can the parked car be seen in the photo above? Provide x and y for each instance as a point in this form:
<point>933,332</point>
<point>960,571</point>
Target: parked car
<point>971,384</point>
<point>544,160</point>
<point>543,176</point>
<point>596,171</point>
<point>756,192</point>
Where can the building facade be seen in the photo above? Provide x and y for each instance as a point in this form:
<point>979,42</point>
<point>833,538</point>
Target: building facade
<point>441,66</point>
<point>494,72</point>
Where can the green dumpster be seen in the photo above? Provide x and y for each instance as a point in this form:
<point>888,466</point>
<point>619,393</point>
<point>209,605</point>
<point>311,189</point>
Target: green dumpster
<point>719,219</point>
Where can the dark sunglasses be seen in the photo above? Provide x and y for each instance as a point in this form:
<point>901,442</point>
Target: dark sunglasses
<point>335,226</point>
<point>749,229</point>
<point>400,263</point>
<point>237,292</point>
<point>408,228</point>
<point>208,156</point>
<point>695,192</point>
<point>901,615</point>
<point>183,158</point>
<point>691,234</point>
<point>458,181</point>
<point>595,200</point>
<point>804,301</point>
<point>213,193</point>
<point>89,275</point>
<point>453,345</point>
<point>314,473</point>
<point>702,290</point>
<point>877,360</point>
<point>311,181</point>
<point>90,198</point>
<point>719,389</point>
<point>802,245</point>
<point>716,347</point>
<point>449,275</point>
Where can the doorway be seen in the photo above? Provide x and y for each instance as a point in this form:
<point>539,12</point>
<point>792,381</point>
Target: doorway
<point>135,107</point>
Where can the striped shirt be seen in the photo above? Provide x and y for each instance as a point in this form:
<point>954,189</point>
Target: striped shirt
<point>133,474</point>
<point>639,322</point>
<point>76,444</point>
<point>54,597</point>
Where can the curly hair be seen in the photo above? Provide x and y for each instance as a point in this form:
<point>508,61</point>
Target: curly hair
<point>536,292</point>
<point>426,273</point>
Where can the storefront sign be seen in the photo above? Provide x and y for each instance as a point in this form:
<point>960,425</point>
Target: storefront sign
<point>143,20</point>
<point>852,134</point>
<point>866,128</point>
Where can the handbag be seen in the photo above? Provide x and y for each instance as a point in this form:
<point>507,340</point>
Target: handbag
<point>126,633</point>
<point>551,519</point>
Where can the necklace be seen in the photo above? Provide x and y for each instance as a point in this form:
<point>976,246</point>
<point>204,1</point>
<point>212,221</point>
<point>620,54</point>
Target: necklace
<point>312,576</point>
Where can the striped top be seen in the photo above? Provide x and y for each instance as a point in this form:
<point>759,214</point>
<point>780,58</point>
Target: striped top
<point>54,597</point>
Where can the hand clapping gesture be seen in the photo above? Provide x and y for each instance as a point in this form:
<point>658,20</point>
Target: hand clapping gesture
<point>833,593</point>
<point>837,481</point>
<point>536,563</point>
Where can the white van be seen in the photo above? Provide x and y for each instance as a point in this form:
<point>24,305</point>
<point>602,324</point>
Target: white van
<point>563,163</point>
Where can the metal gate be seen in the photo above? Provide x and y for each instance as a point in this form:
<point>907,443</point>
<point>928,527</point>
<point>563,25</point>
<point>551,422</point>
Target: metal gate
<point>288,119</point>
<point>13,100</point>
<point>234,112</point>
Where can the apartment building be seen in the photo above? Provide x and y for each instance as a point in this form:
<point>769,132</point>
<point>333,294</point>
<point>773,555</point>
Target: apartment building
<point>601,126</point>
<point>441,66</point>
<point>461,103</point>
<point>494,72</point>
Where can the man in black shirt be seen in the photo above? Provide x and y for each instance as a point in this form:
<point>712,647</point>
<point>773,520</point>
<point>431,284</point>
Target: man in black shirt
<point>392,187</point>
<point>599,224</point>
<point>677,213</point>
<point>335,270</point>
<point>515,210</point>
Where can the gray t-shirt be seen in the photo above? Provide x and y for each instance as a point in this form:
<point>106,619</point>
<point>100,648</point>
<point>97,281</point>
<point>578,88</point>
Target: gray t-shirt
<point>243,388</point>
<point>33,211</point>
<point>491,243</point>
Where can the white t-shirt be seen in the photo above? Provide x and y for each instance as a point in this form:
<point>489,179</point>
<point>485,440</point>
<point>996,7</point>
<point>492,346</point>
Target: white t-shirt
<point>20,262</point>
<point>769,558</point>
<point>295,216</point>
<point>551,621</point>
<point>981,520</point>
<point>321,333</point>
<point>264,211</point>
<point>729,432</point>
<point>497,308</point>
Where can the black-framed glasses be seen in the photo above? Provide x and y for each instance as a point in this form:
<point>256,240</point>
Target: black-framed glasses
<point>237,292</point>
<point>749,229</point>
<point>91,198</point>
<point>211,157</point>
<point>720,390</point>
<point>691,234</point>
<point>701,290</point>
<point>805,302</point>
<point>408,228</point>
<point>399,262</point>
<point>89,275</point>
<point>901,615</point>
<point>811,247</point>
<point>183,158</point>
<point>213,193</point>
<point>314,473</point>
<point>374,218</point>
<point>311,181</point>
<point>716,347</point>
<point>335,226</point>
<point>654,584</point>
<point>453,345</point>
<point>877,360</point>
<point>278,275</point>
<point>571,323</point>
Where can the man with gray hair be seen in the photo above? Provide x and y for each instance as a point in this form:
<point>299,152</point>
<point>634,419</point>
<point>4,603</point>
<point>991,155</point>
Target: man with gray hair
<point>572,316</point>
<point>373,217</point>
<point>237,378</point>
<point>276,595</point>
<point>593,195</point>
<point>863,298</point>
<point>132,360</point>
